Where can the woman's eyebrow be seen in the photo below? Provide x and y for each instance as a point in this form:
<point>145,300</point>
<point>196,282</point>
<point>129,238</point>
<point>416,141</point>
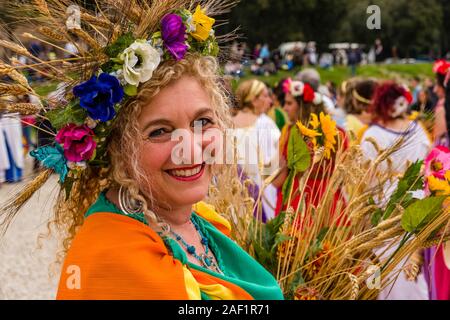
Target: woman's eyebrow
<point>167,122</point>
<point>203,111</point>
<point>157,122</point>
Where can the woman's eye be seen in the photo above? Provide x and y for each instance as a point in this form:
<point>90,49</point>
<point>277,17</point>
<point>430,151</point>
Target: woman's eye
<point>204,122</point>
<point>157,133</point>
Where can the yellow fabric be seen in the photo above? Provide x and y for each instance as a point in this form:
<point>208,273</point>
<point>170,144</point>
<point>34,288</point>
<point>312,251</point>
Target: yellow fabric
<point>192,286</point>
<point>209,213</point>
<point>218,292</point>
<point>354,125</point>
<point>214,291</point>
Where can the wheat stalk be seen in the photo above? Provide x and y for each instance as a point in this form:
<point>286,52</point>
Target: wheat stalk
<point>12,89</point>
<point>21,108</point>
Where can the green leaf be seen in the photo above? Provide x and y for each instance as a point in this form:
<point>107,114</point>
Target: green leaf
<point>123,42</point>
<point>287,186</point>
<point>296,282</point>
<point>322,233</point>
<point>71,114</point>
<point>130,90</point>
<point>299,157</point>
<point>421,212</point>
<point>276,223</point>
<point>410,181</point>
<point>279,239</point>
<point>68,184</point>
<point>376,217</point>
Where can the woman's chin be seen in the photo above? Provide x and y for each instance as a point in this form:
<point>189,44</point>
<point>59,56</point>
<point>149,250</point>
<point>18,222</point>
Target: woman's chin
<point>188,191</point>
<point>188,197</point>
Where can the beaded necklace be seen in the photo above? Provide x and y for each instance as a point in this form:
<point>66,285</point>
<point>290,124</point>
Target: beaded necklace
<point>207,261</point>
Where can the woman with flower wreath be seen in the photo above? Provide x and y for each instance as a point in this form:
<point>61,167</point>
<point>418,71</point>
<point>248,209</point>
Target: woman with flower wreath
<point>436,260</point>
<point>132,212</point>
<point>391,126</point>
<point>310,123</point>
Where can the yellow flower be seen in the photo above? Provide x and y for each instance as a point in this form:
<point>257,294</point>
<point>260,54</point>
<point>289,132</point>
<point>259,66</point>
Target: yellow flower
<point>203,24</point>
<point>414,115</point>
<point>329,130</point>
<point>310,133</point>
<point>440,187</point>
<point>314,122</point>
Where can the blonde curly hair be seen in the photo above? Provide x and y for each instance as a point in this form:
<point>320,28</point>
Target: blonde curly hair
<point>123,146</point>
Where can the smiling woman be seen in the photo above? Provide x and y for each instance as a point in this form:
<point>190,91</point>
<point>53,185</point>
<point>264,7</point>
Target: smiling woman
<point>132,214</point>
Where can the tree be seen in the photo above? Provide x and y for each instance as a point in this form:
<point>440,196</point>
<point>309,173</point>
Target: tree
<point>414,26</point>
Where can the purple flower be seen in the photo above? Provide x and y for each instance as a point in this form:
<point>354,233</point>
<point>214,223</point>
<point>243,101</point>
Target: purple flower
<point>173,32</point>
<point>77,141</point>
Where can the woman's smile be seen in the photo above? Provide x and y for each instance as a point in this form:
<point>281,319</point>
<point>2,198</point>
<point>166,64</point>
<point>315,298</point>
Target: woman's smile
<point>187,173</point>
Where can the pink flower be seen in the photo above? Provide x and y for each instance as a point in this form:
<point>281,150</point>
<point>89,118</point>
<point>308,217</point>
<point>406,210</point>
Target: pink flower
<point>287,85</point>
<point>77,141</point>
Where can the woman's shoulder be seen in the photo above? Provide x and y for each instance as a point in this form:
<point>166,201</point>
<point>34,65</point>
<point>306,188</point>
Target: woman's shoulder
<point>113,253</point>
<point>104,234</point>
<point>265,120</point>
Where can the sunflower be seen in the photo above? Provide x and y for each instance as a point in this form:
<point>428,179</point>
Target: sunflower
<point>440,187</point>
<point>328,127</point>
<point>310,133</point>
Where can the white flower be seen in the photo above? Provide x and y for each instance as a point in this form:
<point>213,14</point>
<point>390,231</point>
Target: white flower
<point>140,60</point>
<point>400,107</point>
<point>297,88</point>
<point>317,98</point>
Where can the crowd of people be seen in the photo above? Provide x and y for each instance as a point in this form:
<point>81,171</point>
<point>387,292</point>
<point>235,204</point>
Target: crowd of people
<point>372,113</point>
<point>264,60</point>
<point>134,212</point>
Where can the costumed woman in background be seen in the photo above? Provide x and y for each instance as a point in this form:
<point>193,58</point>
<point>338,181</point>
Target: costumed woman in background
<point>437,259</point>
<point>389,111</point>
<point>358,118</point>
<point>305,107</point>
<point>257,138</point>
<point>135,224</point>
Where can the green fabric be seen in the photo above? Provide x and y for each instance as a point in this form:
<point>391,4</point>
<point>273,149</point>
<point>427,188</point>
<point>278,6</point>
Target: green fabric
<point>238,266</point>
<point>280,118</point>
<point>104,205</point>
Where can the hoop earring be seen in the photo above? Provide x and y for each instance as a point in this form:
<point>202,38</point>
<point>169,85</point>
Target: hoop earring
<point>127,204</point>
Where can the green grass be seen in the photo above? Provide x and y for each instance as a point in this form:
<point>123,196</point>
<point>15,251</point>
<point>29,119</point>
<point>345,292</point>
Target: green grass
<point>340,73</point>
<point>46,88</point>
<point>337,74</point>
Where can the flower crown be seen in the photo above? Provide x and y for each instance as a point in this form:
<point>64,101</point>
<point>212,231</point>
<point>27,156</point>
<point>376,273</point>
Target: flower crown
<point>442,67</point>
<point>304,90</point>
<point>108,73</point>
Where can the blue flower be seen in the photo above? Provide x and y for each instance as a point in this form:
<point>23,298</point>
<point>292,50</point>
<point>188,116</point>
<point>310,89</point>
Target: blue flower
<point>52,158</point>
<point>99,95</point>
